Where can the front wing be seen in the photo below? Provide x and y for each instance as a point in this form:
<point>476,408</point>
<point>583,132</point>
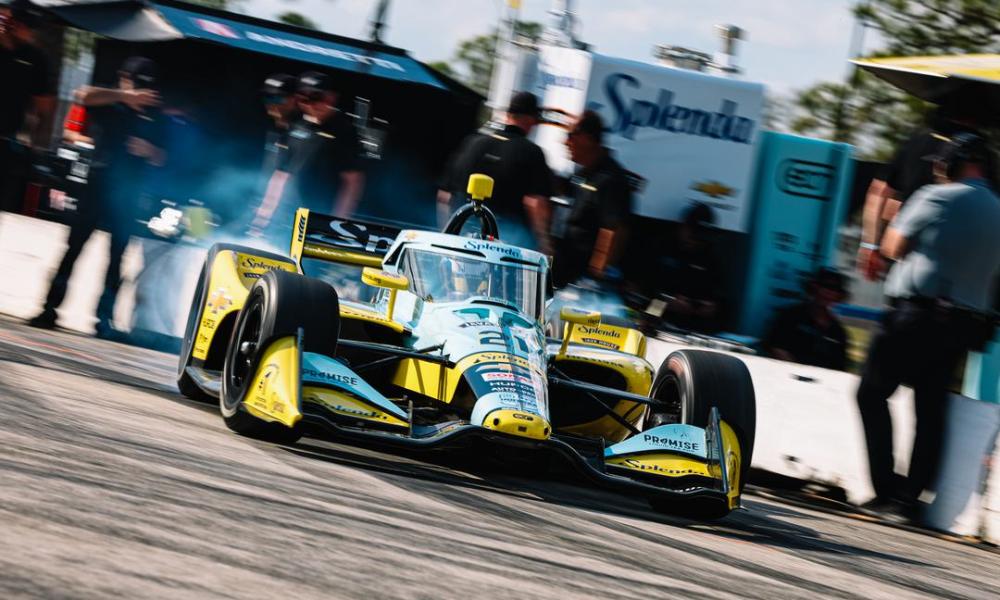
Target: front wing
<point>675,462</point>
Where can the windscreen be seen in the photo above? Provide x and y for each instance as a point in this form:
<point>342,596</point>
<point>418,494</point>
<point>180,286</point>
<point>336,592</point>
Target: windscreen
<point>440,277</point>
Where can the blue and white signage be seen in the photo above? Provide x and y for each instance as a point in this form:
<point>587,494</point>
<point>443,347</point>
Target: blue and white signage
<point>686,136</point>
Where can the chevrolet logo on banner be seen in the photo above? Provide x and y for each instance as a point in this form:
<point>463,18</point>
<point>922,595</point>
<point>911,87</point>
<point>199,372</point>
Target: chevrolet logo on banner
<point>713,189</point>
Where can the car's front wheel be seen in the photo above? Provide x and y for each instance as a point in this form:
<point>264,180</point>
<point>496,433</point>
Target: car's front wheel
<point>280,304</point>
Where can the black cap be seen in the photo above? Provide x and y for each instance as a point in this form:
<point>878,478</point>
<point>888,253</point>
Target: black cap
<point>830,279</point>
<point>524,103</point>
<point>141,70</point>
<point>965,147</point>
<point>279,84</point>
<point>312,82</point>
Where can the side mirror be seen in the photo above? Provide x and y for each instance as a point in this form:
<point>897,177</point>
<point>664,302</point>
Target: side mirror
<point>382,279</point>
<point>390,281</point>
<point>578,316</point>
<point>573,317</point>
<point>480,187</point>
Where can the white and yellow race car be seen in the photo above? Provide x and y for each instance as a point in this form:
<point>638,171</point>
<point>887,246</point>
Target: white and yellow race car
<point>443,344</point>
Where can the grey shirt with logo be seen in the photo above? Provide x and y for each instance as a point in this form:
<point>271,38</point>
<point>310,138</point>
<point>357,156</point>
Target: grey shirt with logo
<point>954,235</point>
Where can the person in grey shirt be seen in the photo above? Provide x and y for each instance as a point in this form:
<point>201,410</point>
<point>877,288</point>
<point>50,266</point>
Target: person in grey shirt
<point>946,246</point>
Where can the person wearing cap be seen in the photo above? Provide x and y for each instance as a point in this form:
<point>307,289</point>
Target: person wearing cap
<point>810,333</point>
<point>282,109</point>
<point>601,193</point>
<point>906,172</point>
<point>128,132</point>
<point>321,168</point>
<point>522,181</point>
<point>691,273</point>
<point>28,87</point>
<point>946,255</point>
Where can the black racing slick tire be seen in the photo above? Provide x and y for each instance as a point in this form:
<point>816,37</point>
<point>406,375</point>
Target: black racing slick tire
<point>688,384</point>
<point>279,305</point>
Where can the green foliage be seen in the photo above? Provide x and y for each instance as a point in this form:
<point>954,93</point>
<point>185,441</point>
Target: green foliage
<point>442,67</point>
<point>297,19</point>
<point>475,55</point>
<point>873,114</point>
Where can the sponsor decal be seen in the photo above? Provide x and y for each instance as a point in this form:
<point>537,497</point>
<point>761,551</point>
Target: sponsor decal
<point>523,417</point>
<point>611,333</point>
<point>631,115</point>
<point>254,268</point>
<point>713,189</point>
<point>344,55</point>
<point>348,234</point>
<point>480,246</point>
<point>673,443</point>
<point>208,323</point>
<point>477,324</point>
<point>806,179</point>
<point>219,301</point>
<point>598,342</point>
<point>330,377</point>
<point>300,235</point>
<point>216,28</point>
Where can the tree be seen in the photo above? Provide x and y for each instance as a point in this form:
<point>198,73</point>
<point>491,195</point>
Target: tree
<point>442,67</point>
<point>297,19</point>
<point>475,55</point>
<point>873,114</point>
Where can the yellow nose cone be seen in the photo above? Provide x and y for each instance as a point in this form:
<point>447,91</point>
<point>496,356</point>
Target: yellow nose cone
<point>518,423</point>
<point>480,186</point>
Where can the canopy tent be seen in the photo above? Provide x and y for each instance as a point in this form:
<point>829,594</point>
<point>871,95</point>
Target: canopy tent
<point>214,62</point>
<point>970,81</point>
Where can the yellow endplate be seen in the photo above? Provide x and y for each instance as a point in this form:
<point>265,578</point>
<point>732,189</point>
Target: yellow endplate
<point>622,339</point>
<point>361,314</point>
<point>348,406</point>
<point>274,391</point>
<point>521,424</point>
<point>663,463</point>
<point>734,460</point>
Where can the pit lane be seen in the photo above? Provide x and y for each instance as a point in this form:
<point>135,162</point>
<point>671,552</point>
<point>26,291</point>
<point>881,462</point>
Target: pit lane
<point>112,485</point>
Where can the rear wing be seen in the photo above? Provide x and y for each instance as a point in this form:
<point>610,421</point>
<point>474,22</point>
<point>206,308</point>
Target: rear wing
<point>350,241</point>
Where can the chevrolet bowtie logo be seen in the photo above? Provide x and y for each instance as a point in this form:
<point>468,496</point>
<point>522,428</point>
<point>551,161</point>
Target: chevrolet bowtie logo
<point>713,189</point>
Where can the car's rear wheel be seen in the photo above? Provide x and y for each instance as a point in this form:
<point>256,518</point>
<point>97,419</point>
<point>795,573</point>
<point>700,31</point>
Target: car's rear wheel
<point>688,385</point>
<point>279,305</point>
<point>185,384</point>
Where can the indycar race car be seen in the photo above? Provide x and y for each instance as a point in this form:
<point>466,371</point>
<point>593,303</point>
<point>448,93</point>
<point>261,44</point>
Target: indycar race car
<point>444,345</point>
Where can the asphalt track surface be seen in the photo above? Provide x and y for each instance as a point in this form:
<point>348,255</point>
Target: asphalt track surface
<point>112,485</point>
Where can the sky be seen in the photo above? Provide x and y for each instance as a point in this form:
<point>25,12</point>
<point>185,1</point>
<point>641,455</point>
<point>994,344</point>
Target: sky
<point>791,44</point>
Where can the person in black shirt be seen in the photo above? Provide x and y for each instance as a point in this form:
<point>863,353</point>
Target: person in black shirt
<point>602,202</point>
<point>908,171</point>
<point>521,177</point>
<point>27,87</point>
<point>691,273</point>
<point>128,132</point>
<point>321,169</point>
<point>809,333</point>
<point>282,108</point>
